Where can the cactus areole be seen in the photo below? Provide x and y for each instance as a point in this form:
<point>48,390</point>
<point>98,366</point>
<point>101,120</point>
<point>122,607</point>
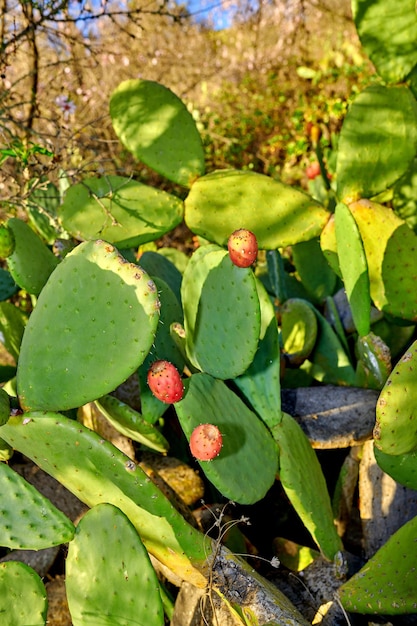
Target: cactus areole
<point>243,247</point>
<point>165,382</point>
<point>206,442</point>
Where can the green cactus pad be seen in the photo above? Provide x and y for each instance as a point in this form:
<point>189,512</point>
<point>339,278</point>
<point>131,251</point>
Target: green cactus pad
<point>8,286</point>
<point>390,246</point>
<point>157,265</point>
<point>396,410</point>
<point>377,143</point>
<point>387,583</point>
<point>388,33</point>
<point>23,599</point>
<point>278,214</point>
<point>354,268</point>
<point>6,451</point>
<point>28,520</point>
<point>131,424</point>
<point>246,466</point>
<point>329,360</point>
<point>92,327</point>
<point>401,467</point>
<point>95,471</point>
<point>12,326</point>
<point>298,330</point>
<point>109,577</point>
<point>7,243</point>
<point>260,384</point>
<point>119,210</point>
<point>221,313</point>
<point>303,481</point>
<point>404,201</point>
<point>31,262</point>
<point>42,205</point>
<point>4,406</point>
<point>313,270</point>
<point>328,245</point>
<point>157,128</point>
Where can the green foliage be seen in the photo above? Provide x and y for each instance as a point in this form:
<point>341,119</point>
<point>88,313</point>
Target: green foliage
<point>22,595</point>
<point>107,541</point>
<point>96,317</point>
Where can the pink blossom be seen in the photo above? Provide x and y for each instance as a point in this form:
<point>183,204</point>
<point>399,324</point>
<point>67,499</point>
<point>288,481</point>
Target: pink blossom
<point>66,105</point>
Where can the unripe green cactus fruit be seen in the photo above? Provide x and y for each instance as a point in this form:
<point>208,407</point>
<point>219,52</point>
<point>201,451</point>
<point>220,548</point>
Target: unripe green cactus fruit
<point>109,577</point>
<point>92,327</point>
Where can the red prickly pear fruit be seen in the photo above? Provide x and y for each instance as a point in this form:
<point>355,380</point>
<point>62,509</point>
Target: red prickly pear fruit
<point>206,442</point>
<point>313,170</point>
<point>165,382</point>
<point>243,247</point>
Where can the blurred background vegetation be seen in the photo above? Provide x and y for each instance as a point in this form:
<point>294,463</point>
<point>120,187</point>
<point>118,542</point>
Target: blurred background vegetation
<point>255,87</point>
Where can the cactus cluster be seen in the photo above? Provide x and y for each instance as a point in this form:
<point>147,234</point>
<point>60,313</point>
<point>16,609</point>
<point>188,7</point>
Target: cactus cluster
<point>208,339</point>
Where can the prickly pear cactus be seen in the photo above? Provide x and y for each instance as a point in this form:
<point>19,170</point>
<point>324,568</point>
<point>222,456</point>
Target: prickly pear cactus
<point>313,270</point>
<point>390,246</point>
<point>23,597</point>
<point>31,262</point>
<point>4,406</point>
<point>303,481</point>
<point>298,330</point>
<point>385,119</point>
<point>163,347</point>
<point>279,215</point>
<point>7,242</point>
<point>221,313</point>
<point>396,410</point>
<point>387,583</point>
<point>12,326</point>
<point>131,424</point>
<point>392,51</point>
<point>8,287</point>
<point>354,268</point>
<point>401,467</point>
<point>120,210</point>
<point>156,126</point>
<point>260,383</point>
<point>109,577</point>
<point>246,466</point>
<point>29,520</point>
<point>93,325</point>
<point>96,472</point>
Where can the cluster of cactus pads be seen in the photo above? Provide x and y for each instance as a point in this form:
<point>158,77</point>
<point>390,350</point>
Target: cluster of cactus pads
<point>208,335</point>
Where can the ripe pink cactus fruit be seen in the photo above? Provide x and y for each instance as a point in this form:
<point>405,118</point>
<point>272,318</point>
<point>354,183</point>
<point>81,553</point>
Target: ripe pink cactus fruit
<point>206,442</point>
<point>243,247</point>
<point>165,382</point>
